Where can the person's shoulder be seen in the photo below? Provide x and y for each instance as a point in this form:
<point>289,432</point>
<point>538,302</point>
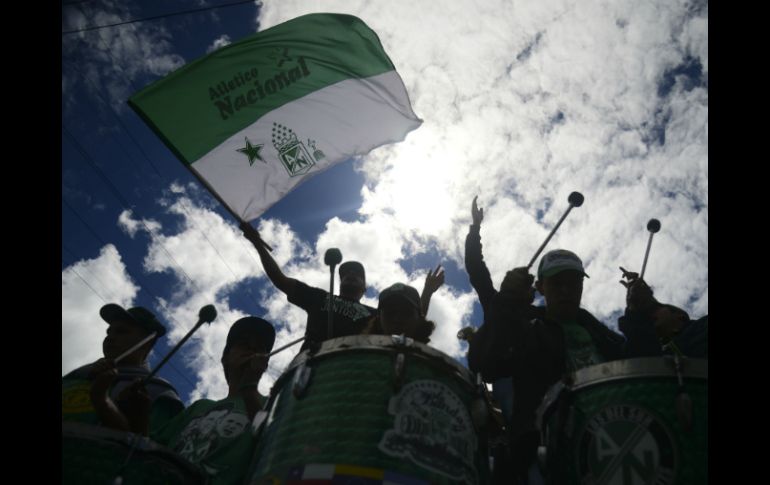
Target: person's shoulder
<point>200,406</point>
<point>587,319</point>
<point>303,291</point>
<point>79,373</point>
<point>371,309</point>
<point>132,371</point>
<point>584,316</point>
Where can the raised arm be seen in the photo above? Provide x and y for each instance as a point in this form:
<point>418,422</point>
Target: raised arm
<point>648,324</point>
<point>274,273</point>
<point>433,282</point>
<point>474,261</point>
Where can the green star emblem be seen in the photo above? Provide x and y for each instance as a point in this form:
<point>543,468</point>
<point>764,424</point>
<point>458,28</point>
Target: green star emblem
<point>252,151</point>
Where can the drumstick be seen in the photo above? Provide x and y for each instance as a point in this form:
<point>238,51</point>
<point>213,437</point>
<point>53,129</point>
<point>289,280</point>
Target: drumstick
<point>133,349</point>
<point>281,348</point>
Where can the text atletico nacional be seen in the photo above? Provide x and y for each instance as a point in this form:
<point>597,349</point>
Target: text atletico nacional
<point>227,105</point>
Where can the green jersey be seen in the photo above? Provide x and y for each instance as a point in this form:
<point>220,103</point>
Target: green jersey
<point>216,435</point>
<point>581,350</point>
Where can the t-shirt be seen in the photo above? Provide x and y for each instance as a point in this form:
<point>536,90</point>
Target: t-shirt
<point>76,395</point>
<point>215,435</point>
<point>349,317</point>
<point>581,350</point>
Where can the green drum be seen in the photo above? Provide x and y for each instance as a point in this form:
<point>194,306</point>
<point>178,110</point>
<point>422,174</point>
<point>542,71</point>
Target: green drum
<point>372,409</point>
<point>97,455</point>
<point>628,422</point>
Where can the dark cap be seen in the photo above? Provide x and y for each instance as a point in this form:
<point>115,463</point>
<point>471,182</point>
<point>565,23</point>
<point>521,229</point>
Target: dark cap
<point>352,266</point>
<point>247,326</point>
<point>140,316</point>
<point>401,290</point>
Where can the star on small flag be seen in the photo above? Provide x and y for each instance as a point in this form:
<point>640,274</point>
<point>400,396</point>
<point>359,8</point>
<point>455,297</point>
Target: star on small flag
<point>252,151</point>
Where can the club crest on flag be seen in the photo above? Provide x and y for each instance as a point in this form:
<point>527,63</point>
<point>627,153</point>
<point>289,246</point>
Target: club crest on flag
<point>292,153</point>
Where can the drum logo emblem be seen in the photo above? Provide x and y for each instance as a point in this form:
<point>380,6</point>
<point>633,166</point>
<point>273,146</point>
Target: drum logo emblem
<point>77,399</point>
<point>626,445</point>
<point>433,429</point>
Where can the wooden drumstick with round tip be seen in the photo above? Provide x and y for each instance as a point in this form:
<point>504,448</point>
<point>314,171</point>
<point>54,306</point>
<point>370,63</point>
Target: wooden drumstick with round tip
<point>653,226</point>
<point>135,347</point>
<point>293,342</point>
<point>575,199</point>
<point>332,258</point>
<point>207,314</point>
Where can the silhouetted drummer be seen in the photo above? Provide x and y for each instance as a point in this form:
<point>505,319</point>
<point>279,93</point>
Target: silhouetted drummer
<point>350,316</point>
<point>107,393</point>
<point>216,434</point>
<point>401,313</point>
<point>649,325</point>
<point>535,346</point>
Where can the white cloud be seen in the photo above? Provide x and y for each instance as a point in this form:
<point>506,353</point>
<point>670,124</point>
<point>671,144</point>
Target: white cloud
<point>522,104</point>
<point>130,226</point>
<point>215,265</point>
<point>119,55</point>
<point>86,286</point>
<point>218,43</point>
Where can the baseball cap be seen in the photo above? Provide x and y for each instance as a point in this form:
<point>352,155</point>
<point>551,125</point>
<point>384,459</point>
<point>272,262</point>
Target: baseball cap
<point>401,290</point>
<point>140,316</point>
<point>246,326</point>
<point>558,260</point>
<point>352,266</point>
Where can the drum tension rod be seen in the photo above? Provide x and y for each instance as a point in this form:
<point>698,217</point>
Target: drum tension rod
<point>399,371</point>
<point>683,400</point>
<point>301,380</point>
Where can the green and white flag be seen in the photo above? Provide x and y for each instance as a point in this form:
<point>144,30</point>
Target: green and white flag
<point>257,117</point>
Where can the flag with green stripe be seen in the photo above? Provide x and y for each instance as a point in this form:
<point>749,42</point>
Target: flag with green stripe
<point>257,117</point>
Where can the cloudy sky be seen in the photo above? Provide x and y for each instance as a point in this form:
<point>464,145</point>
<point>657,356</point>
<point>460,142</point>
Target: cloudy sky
<point>523,102</point>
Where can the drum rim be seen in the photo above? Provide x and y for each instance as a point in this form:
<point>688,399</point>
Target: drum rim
<point>145,445</point>
<point>388,344</point>
<point>636,368</point>
<point>77,429</point>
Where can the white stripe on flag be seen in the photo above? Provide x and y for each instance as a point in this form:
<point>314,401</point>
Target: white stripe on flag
<point>348,118</point>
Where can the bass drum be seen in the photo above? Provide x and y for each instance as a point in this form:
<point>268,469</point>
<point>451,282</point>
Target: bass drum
<point>372,409</point>
<point>627,422</point>
<point>97,455</point>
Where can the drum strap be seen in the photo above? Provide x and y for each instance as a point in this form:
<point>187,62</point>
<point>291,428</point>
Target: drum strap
<point>119,478</point>
<point>683,400</point>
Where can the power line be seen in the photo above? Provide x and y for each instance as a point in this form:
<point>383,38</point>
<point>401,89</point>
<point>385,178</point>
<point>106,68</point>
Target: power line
<point>144,286</point>
<point>73,64</point>
<point>81,277</point>
<point>147,158</point>
<point>105,302</point>
<point>120,198</point>
<point>157,17</point>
